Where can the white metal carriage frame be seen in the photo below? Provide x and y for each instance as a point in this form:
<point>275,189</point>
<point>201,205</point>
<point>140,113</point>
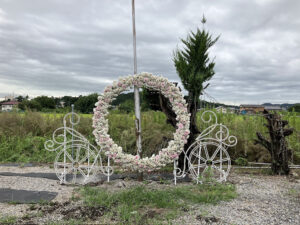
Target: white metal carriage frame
<point>208,156</point>
<point>75,154</point>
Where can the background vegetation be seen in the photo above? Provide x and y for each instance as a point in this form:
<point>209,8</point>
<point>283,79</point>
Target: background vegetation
<point>22,135</point>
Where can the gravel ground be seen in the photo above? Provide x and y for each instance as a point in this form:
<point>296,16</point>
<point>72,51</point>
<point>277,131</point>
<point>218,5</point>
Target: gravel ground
<point>30,184</point>
<point>261,199</point>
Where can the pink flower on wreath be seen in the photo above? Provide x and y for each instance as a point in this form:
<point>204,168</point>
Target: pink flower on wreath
<point>107,100</point>
<point>137,157</point>
<point>180,125</point>
<point>174,156</point>
<point>120,84</point>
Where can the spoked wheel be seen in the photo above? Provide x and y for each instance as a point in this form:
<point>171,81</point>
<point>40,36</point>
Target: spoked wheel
<point>76,167</point>
<point>209,161</point>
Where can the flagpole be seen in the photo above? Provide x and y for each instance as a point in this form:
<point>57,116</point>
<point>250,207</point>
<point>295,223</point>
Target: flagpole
<point>136,94</point>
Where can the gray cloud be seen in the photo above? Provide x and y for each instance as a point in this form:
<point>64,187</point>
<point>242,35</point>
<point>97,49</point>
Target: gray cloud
<point>78,47</point>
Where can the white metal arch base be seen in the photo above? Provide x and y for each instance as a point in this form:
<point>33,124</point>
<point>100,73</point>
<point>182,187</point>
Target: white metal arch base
<point>76,155</point>
<point>207,157</point>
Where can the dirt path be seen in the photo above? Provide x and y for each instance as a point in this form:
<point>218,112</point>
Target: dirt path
<point>261,199</point>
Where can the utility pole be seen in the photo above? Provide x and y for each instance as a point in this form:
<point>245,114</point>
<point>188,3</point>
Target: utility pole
<point>136,96</point>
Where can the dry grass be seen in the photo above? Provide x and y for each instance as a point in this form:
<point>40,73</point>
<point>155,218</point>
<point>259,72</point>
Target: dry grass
<point>22,135</point>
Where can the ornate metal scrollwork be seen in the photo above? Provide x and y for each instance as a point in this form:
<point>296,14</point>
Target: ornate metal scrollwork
<point>75,154</point>
<point>207,157</point>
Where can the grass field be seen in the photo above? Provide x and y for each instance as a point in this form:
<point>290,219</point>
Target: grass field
<point>143,205</point>
<point>22,136</point>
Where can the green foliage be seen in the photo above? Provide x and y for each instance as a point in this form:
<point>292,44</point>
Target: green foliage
<point>8,220</point>
<point>127,106</point>
<point>295,108</point>
<point>123,97</point>
<point>45,102</point>
<point>28,149</point>
<point>86,104</point>
<point>240,161</point>
<point>150,100</point>
<point>20,98</point>
<point>294,193</point>
<point>67,222</point>
<point>22,134</point>
<point>140,199</point>
<point>194,68</point>
<point>155,131</point>
<point>69,100</point>
<point>38,103</point>
<point>30,104</point>
<point>192,63</point>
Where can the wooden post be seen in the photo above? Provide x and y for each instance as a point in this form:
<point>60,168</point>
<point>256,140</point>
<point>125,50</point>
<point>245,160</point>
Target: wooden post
<point>136,96</point>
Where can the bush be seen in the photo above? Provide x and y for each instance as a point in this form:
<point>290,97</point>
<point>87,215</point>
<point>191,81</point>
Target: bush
<point>241,161</point>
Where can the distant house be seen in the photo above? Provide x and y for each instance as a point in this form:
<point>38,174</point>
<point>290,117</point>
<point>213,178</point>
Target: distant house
<point>9,98</point>
<point>62,104</point>
<point>274,108</point>
<point>251,109</point>
<point>9,106</point>
<point>221,109</point>
<point>232,110</point>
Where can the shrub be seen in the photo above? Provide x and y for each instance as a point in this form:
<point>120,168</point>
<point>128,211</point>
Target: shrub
<point>241,161</point>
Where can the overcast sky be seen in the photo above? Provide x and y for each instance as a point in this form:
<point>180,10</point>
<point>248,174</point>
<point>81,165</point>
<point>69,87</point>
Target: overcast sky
<point>73,47</point>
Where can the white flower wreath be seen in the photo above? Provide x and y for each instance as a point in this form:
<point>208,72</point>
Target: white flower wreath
<point>112,150</point>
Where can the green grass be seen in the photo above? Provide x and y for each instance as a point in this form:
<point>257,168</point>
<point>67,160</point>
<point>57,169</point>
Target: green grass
<point>294,193</point>
<point>67,222</point>
<point>132,206</point>
<point>8,220</point>
<point>22,135</point>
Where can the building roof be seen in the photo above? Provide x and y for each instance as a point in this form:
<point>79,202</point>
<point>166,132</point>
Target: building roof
<point>252,106</point>
<point>10,103</point>
<point>273,107</point>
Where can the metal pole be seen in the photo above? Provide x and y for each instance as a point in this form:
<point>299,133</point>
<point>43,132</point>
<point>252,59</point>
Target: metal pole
<point>221,144</point>
<point>174,172</point>
<point>136,94</point>
<point>72,121</point>
<point>136,89</point>
<point>108,170</point>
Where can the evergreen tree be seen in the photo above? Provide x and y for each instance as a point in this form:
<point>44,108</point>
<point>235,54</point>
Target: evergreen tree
<point>194,67</point>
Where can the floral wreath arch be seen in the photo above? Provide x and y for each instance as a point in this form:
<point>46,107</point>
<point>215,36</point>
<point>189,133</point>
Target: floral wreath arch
<point>113,151</point>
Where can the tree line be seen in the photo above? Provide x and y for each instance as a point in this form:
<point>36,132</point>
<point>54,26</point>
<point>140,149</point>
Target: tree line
<point>85,104</point>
